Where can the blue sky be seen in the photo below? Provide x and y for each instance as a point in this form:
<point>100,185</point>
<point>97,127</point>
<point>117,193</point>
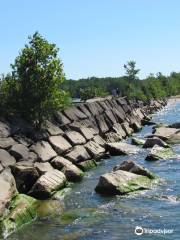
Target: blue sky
<point>96,37</point>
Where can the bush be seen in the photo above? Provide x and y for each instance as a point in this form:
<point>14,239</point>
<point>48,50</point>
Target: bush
<point>33,90</point>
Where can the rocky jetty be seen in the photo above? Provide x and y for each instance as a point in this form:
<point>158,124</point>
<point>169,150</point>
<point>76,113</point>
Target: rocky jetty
<point>34,165</point>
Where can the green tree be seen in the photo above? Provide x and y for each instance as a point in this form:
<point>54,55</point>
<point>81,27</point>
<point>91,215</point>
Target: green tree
<point>131,70</point>
<point>36,79</point>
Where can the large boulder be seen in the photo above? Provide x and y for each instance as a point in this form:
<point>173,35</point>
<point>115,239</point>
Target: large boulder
<point>174,139</point>
<point>158,152</point>
<point>22,210</point>
<point>122,182</point>
<point>60,144</point>
<point>75,138</point>
<point>7,189</point>
<point>6,159</point>
<point>175,125</point>
<point>121,148</point>
<point>44,151</point>
<point>19,151</point>
<point>87,165</point>
<point>43,167</point>
<point>133,167</point>
<point>47,184</point>
<point>94,149</point>
<point>6,143</point>
<point>25,175</point>
<point>71,172</point>
<point>165,133</point>
<point>117,128</point>
<point>137,141</point>
<point>78,154</point>
<point>128,130</point>
<point>150,142</point>
<point>53,129</point>
<point>4,130</point>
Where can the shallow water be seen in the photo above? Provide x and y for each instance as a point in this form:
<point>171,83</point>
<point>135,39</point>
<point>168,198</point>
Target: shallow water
<point>88,215</point>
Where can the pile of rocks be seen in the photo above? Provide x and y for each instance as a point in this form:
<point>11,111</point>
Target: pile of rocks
<point>39,163</point>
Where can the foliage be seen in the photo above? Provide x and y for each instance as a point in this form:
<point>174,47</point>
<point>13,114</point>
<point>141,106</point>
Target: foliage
<point>91,92</point>
<point>33,89</point>
<point>131,70</point>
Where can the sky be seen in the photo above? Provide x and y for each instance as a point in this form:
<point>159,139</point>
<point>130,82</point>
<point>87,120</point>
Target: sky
<point>96,37</point>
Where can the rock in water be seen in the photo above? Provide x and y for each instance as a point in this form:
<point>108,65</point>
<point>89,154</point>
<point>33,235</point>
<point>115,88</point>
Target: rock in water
<point>122,182</point>
<point>158,152</point>
<point>150,142</point>
<point>133,167</point>
<point>22,210</point>
<point>137,141</point>
<point>121,148</point>
<point>47,184</point>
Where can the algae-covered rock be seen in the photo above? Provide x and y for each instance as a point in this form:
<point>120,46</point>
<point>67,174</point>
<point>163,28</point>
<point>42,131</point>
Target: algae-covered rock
<point>22,210</point>
<point>158,152</point>
<point>150,142</point>
<point>87,165</point>
<point>137,141</point>
<point>122,182</point>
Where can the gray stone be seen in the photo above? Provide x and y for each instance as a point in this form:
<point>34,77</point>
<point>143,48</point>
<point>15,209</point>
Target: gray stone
<point>78,154</point>
<point>44,151</point>
<point>102,124</point>
<point>53,129</point>
<point>6,159</point>
<point>62,119</point>
<point>74,114</point>
<point>126,128</point>
<point>165,133</point>
<point>47,184</point>
<point>87,165</point>
<point>133,167</point>
<point>137,141</point>
<point>43,167</point>
<point>25,175</point>
<point>117,128</point>
<point>6,143</point>
<point>158,152</point>
<point>88,133</point>
<point>75,138</point>
<point>150,142</point>
<point>175,125</point>
<point>72,172</point>
<point>121,148</point>
<point>122,182</point>
<point>94,149</point>
<point>19,151</point>
<point>99,140</point>
<point>60,144</point>
<point>8,189</point>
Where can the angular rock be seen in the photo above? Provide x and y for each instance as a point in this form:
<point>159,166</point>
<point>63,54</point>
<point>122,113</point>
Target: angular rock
<point>60,144</point>
<point>158,152</point>
<point>112,137</point>
<point>23,140</point>
<point>84,109</point>
<point>22,210</point>
<point>75,138</point>
<point>25,175</point>
<point>99,140</point>
<point>71,172</point>
<point>117,128</point>
<point>165,133</point>
<point>6,159</point>
<point>8,189</point>
<point>44,151</point>
<point>175,125</point>
<point>94,149</point>
<point>102,124</point>
<point>121,148</point>
<point>47,184</point>
<point>88,133</point>
<point>150,142</point>
<point>133,167</point>
<point>126,128</point>
<point>19,151</point>
<point>53,129</point>
<point>42,168</point>
<point>137,141</point>
<point>122,182</point>
<point>174,139</point>
<point>74,114</point>
<point>78,154</point>
<point>6,143</point>
<point>32,157</point>
<point>62,119</point>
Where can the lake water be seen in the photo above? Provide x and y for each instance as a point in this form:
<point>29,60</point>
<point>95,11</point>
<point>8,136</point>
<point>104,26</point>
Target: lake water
<point>88,215</point>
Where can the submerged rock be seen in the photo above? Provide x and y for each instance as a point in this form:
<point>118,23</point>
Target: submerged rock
<point>22,210</point>
<point>158,152</point>
<point>122,182</point>
<point>150,142</point>
<point>87,165</point>
<point>137,141</point>
<point>121,148</point>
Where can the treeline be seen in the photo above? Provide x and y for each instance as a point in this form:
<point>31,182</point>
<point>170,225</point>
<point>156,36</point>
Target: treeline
<point>154,86</point>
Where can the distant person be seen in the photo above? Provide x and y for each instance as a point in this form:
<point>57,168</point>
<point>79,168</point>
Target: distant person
<point>114,92</point>
<point>117,92</point>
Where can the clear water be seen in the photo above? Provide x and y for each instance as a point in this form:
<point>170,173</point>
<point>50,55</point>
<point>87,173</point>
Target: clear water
<point>88,215</point>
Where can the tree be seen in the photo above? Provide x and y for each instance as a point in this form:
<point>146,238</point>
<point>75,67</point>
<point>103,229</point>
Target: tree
<point>36,78</point>
<point>131,70</point>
